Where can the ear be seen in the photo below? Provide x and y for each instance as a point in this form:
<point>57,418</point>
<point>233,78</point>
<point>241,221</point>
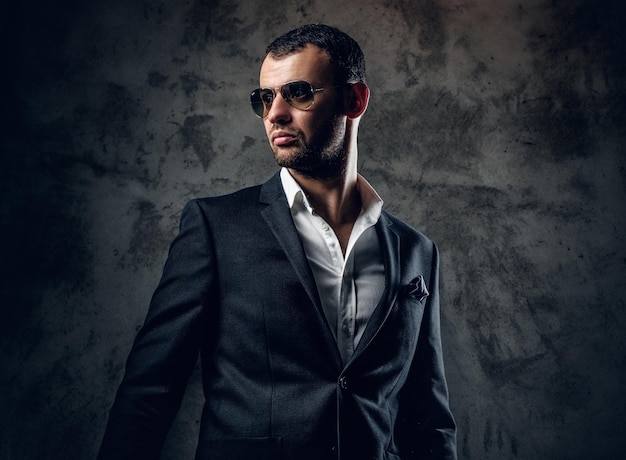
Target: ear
<point>357,99</point>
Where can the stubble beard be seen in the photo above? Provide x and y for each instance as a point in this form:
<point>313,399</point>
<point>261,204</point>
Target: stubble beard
<point>324,158</point>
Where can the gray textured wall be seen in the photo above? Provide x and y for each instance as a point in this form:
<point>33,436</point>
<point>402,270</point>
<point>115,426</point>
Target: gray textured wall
<point>496,127</point>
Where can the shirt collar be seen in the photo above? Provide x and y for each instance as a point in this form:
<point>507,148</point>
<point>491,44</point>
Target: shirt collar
<point>371,202</point>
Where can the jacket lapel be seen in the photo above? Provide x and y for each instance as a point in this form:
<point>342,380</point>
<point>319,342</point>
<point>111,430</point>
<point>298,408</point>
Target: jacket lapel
<point>278,218</point>
<point>390,245</point>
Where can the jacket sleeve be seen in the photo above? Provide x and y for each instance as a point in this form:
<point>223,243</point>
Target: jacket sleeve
<point>426,427</point>
<point>165,349</point>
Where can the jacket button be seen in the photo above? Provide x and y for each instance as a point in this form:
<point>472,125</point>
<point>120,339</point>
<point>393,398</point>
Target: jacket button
<point>343,383</point>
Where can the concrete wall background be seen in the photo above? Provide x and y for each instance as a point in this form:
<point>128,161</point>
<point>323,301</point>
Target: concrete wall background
<point>496,127</point>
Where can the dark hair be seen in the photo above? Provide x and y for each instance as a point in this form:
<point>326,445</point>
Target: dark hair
<point>345,54</point>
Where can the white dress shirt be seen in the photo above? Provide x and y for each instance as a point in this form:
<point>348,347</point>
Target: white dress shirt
<point>350,287</point>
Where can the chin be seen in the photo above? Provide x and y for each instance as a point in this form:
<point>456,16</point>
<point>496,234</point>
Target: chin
<point>287,157</point>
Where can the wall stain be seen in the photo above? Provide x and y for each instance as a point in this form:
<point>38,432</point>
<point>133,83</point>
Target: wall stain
<point>429,15</point>
<point>156,79</point>
<point>211,21</point>
<point>191,83</point>
<point>147,239</point>
<point>248,143</point>
<point>196,132</point>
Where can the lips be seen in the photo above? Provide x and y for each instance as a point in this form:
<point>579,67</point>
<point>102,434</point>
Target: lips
<point>283,138</point>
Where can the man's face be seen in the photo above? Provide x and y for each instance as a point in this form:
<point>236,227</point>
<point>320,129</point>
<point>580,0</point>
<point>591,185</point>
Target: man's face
<point>310,141</point>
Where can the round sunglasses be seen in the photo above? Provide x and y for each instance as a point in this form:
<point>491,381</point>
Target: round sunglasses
<point>298,94</point>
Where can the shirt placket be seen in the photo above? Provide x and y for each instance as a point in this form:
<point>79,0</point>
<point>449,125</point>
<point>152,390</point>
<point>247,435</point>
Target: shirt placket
<point>345,299</point>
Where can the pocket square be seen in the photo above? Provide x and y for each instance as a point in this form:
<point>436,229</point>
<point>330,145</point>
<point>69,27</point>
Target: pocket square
<point>416,289</point>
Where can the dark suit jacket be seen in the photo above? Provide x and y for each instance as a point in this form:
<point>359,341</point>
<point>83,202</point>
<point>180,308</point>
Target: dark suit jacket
<point>237,288</point>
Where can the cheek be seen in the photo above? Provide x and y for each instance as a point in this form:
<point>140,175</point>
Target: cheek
<point>309,122</point>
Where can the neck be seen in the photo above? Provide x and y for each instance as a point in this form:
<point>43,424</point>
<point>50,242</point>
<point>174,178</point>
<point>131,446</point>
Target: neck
<point>336,200</point>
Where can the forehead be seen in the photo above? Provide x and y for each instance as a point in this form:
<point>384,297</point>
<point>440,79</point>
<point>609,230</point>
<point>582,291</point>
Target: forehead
<point>310,64</point>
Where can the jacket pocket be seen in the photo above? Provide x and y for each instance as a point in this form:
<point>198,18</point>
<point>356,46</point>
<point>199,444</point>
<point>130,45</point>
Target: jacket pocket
<point>240,449</point>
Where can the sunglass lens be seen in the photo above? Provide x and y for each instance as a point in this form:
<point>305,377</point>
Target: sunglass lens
<point>298,94</point>
<point>257,102</point>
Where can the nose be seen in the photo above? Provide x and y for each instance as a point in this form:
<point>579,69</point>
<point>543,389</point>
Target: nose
<point>280,111</point>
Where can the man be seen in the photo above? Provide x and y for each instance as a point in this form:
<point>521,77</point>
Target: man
<point>315,313</point>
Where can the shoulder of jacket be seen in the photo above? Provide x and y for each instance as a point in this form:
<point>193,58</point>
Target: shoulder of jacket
<point>248,194</point>
<point>405,230</point>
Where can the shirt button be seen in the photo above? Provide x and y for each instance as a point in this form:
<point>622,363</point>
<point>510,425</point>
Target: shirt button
<point>344,327</point>
<point>343,383</point>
